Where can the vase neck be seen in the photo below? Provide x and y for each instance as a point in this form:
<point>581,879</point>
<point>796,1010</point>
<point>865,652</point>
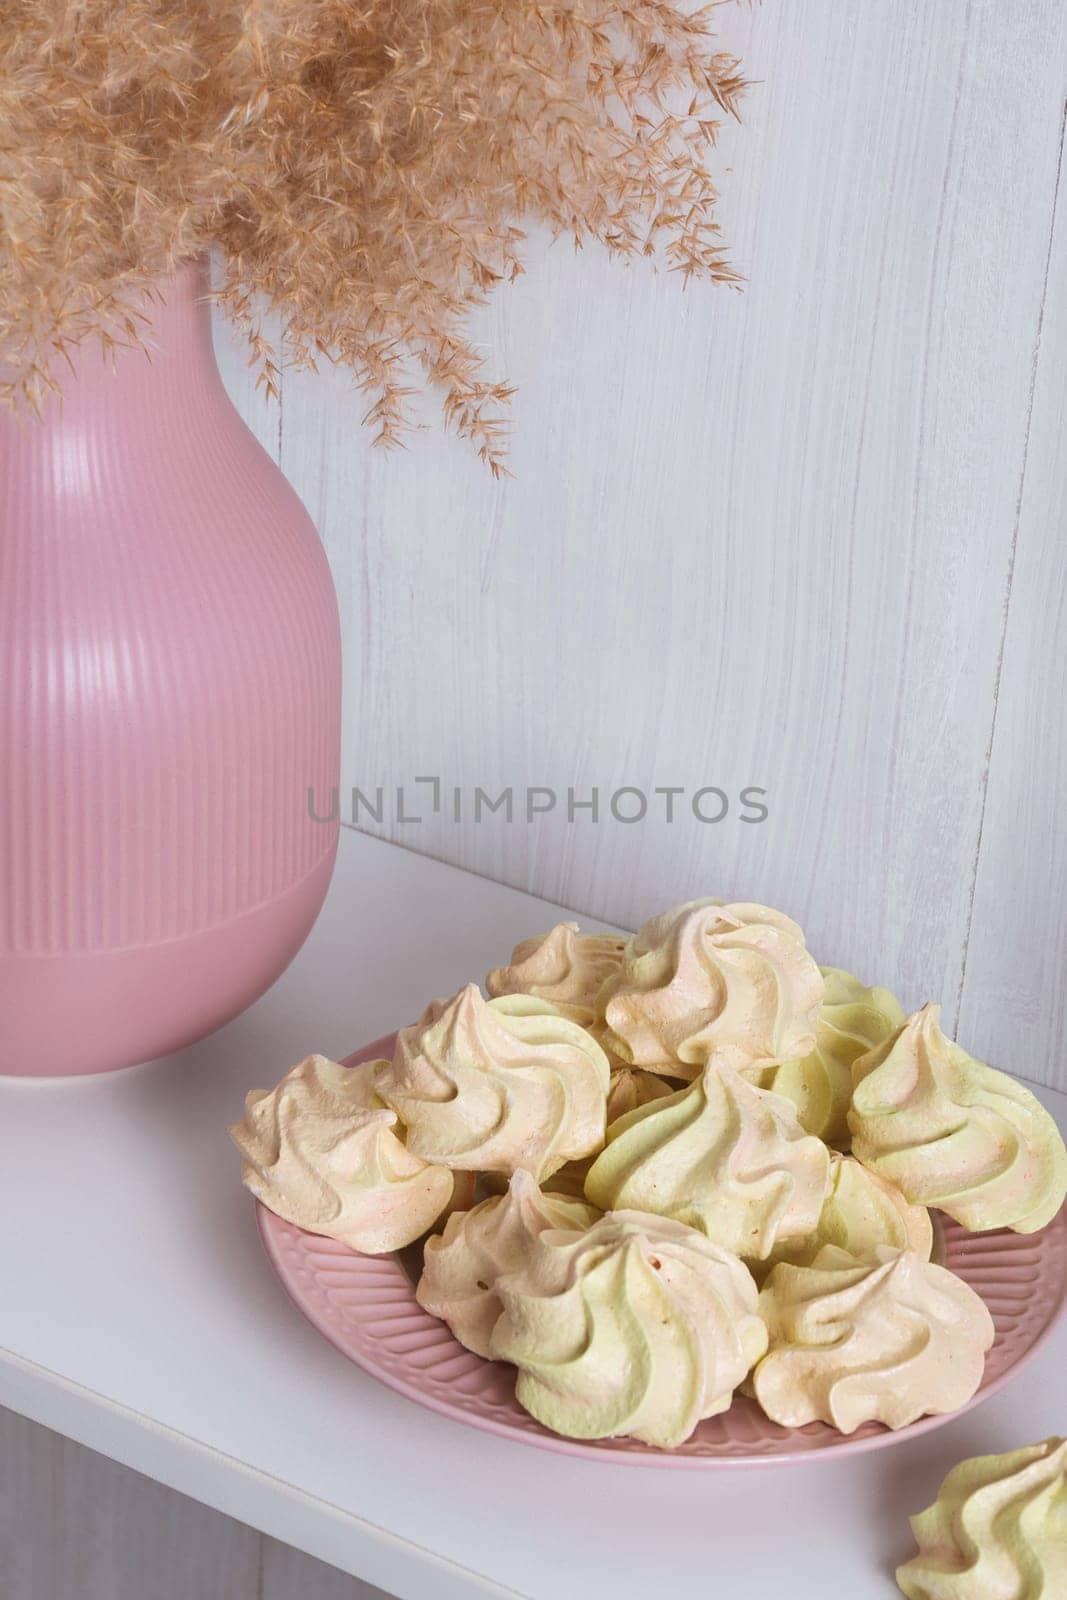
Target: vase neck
<point>176,356</point>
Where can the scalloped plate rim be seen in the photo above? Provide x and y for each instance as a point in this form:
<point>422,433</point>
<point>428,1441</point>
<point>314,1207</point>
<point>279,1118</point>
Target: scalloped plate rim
<point>272,1228</point>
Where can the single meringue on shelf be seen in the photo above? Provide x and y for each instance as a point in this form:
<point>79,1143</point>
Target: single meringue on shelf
<point>997,1530</point>
<point>638,1326</point>
<point>322,1151</point>
<point>563,966</point>
<point>953,1133</point>
<point>492,1086</point>
<point>461,1265</point>
<point>706,978</point>
<point>721,1155</point>
<point>861,1212</point>
<point>886,1339</point>
<point>852,1020</point>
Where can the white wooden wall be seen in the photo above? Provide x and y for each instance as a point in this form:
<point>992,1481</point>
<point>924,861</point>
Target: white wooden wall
<point>809,537</point>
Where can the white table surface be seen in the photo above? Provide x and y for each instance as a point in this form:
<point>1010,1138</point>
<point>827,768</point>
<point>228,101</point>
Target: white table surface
<point>139,1316</point>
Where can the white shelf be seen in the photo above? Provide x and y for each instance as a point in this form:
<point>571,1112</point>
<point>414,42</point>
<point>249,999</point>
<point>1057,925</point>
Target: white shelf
<point>139,1316</point>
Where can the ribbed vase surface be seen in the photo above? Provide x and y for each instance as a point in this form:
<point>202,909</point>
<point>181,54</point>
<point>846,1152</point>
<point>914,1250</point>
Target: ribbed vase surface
<point>169,695</point>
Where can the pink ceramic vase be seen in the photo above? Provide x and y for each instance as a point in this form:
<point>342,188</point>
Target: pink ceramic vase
<point>169,695</point>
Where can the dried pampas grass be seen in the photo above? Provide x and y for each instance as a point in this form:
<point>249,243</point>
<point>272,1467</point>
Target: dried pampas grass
<point>362,168</point>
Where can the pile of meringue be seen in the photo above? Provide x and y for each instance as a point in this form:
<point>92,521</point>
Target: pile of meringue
<point>708,1164</point>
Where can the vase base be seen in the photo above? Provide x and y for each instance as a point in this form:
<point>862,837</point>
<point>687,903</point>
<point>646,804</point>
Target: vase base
<point>67,1015</point>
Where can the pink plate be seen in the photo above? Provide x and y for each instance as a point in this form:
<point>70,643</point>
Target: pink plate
<point>366,1306</point>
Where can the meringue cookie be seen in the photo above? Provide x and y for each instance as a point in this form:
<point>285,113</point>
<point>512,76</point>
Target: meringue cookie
<point>565,967</point>
<point>720,1155</point>
<point>492,1086</point>
<point>861,1212</point>
<point>629,1088</point>
<point>704,978</point>
<point>461,1266</point>
<point>852,1020</point>
<point>953,1133</point>
<point>322,1151</point>
<point>638,1326</point>
<point>886,1339</point>
<point>997,1530</point>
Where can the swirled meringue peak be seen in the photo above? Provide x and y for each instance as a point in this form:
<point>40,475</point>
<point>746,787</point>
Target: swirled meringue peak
<point>638,1326</point>
<point>721,1155</point>
<point>997,1530</point>
<point>565,967</point>
<point>461,1266</point>
<point>629,1088</point>
<point>887,1339</point>
<point>953,1133</point>
<point>495,1085</point>
<point>861,1212</point>
<point>706,978</point>
<point>322,1151</point>
<point>852,1020</point>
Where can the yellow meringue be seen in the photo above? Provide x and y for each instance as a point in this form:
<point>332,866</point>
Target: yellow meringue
<point>953,1133</point>
<point>565,967</point>
<point>721,1155</point>
<point>322,1151</point>
<point>461,1265</point>
<point>886,1339</point>
<point>707,978</point>
<point>628,1088</point>
<point>997,1530</point>
<point>852,1020</point>
<point>861,1212</point>
<point>638,1326</point>
<point>492,1086</point>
